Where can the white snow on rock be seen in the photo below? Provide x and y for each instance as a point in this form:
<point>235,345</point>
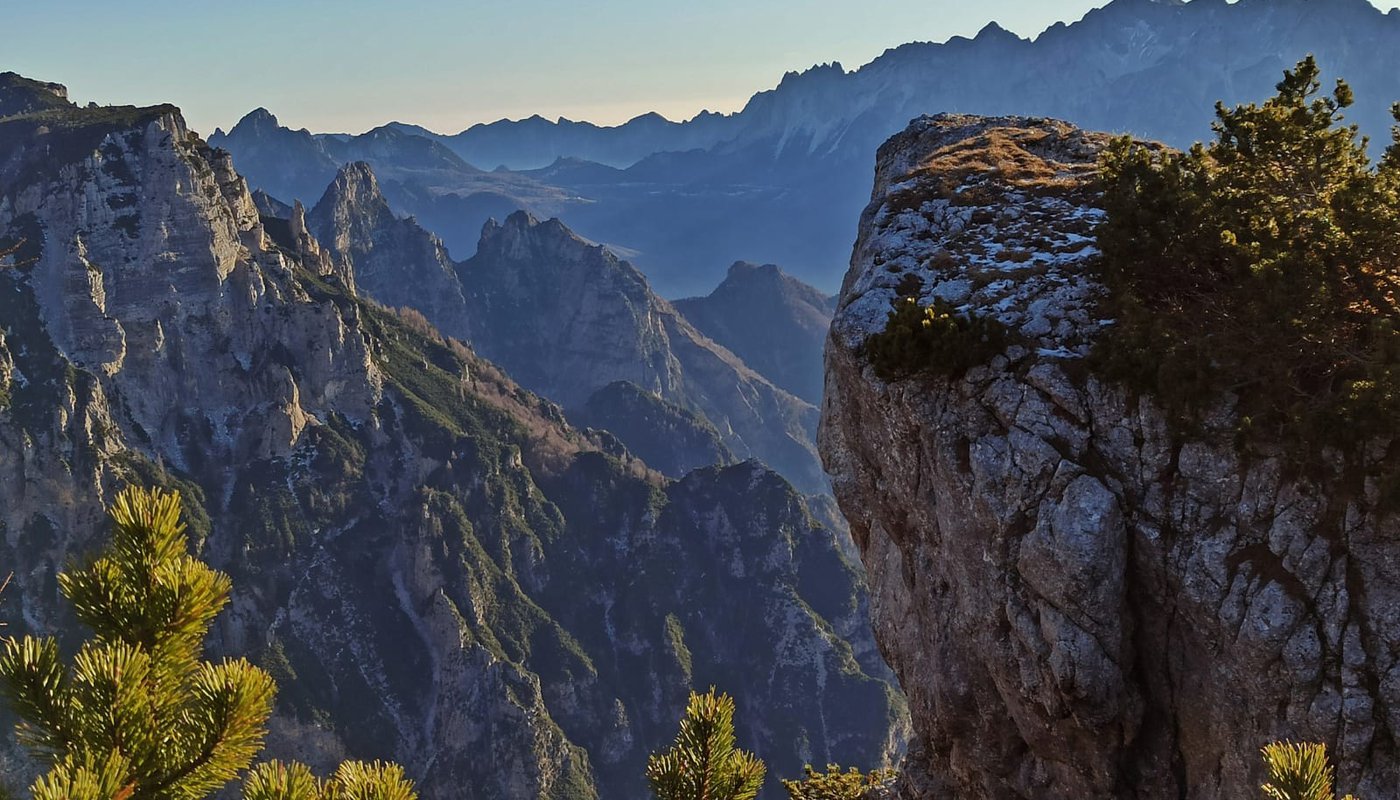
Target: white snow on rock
<point>1011,240</point>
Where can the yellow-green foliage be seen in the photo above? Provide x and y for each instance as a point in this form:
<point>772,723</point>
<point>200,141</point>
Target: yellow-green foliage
<point>1265,263</point>
<point>1298,772</point>
<point>704,764</point>
<point>354,780</point>
<point>836,784</point>
<point>138,714</point>
<point>934,338</point>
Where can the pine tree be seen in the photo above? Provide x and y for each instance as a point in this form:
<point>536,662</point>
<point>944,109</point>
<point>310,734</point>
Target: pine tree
<point>838,784</point>
<point>1298,772</point>
<point>138,714</point>
<point>1265,264</point>
<point>354,780</point>
<point>703,764</point>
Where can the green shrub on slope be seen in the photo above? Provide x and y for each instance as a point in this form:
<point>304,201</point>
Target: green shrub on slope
<point>1265,263</point>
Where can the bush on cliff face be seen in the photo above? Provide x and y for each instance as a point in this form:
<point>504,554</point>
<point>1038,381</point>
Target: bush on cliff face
<point>935,338</point>
<point>138,715</point>
<point>1265,263</point>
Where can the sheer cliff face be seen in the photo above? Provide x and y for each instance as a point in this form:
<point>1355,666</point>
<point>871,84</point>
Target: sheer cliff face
<point>405,526</point>
<point>1078,601</point>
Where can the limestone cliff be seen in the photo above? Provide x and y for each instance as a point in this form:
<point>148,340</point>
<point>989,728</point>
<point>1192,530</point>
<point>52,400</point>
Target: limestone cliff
<point>394,260</point>
<point>567,317</point>
<point>436,567</point>
<point>1081,602</point>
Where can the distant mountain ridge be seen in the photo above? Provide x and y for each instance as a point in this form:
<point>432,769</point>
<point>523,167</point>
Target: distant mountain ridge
<point>536,142</point>
<point>773,321</point>
<point>781,181</point>
<point>567,318</point>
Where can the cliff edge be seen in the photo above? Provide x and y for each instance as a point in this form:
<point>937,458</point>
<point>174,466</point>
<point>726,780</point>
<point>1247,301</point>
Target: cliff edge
<point>1079,601</point>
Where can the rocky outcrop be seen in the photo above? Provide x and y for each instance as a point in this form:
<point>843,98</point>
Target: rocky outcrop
<point>25,96</point>
<point>394,260</point>
<point>436,567</point>
<point>1081,601</point>
<point>567,317</point>
<point>773,321</point>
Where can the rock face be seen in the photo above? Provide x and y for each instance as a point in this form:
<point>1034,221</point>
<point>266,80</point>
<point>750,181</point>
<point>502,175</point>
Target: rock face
<point>1079,601</point>
<point>670,438</point>
<point>566,317</point>
<point>393,260</point>
<point>773,321</point>
<point>434,565</point>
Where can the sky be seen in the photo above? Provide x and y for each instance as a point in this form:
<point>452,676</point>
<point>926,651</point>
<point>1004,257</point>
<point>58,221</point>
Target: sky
<point>349,65</point>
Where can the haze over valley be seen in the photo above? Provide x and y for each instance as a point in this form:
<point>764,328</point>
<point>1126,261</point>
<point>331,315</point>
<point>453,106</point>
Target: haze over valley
<point>944,427</point>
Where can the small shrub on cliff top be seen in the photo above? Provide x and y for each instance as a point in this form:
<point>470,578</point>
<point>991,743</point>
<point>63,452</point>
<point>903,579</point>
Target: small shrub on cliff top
<point>1266,263</point>
<point>835,784</point>
<point>1298,772</point>
<point>935,338</point>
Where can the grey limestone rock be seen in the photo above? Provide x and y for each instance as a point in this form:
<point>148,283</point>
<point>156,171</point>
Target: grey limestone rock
<point>1079,601</point>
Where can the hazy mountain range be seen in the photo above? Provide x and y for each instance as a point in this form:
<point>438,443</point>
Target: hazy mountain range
<point>782,180</point>
<point>434,563</point>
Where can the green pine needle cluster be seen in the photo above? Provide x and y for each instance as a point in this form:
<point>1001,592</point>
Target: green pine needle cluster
<point>1298,772</point>
<point>354,780</point>
<point>138,714</point>
<point>1265,264</point>
<point>838,784</point>
<point>704,764</point>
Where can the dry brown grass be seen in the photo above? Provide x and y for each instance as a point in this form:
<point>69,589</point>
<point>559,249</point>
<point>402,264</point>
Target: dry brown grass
<point>414,320</point>
<point>1019,157</point>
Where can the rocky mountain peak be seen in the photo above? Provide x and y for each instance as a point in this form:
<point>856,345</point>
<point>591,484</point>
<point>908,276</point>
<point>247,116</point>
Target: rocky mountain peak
<point>257,121</point>
<point>21,95</point>
<point>773,321</point>
<point>310,252</point>
<point>355,190</point>
<point>993,31</point>
<point>1082,599</point>
<point>550,244</point>
<point>392,260</point>
<point>568,317</point>
<point>744,277</point>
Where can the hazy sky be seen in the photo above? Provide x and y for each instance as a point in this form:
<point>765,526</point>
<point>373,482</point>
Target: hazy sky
<point>348,65</point>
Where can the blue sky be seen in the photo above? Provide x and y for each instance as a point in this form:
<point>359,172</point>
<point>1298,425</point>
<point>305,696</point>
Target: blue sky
<point>348,65</point>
